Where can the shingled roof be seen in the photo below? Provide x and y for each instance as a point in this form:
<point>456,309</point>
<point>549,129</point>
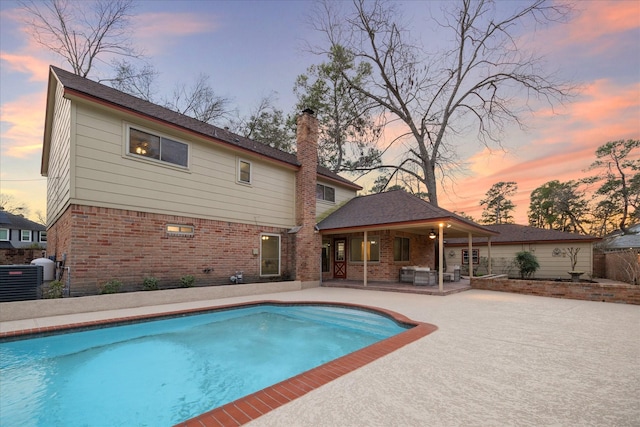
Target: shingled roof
<point>396,207</point>
<point>18,222</point>
<point>83,87</point>
<point>516,234</point>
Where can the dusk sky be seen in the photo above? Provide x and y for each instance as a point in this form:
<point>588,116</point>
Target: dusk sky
<point>253,49</point>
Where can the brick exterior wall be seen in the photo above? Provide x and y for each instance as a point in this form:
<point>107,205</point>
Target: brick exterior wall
<point>308,241</point>
<point>619,293</point>
<point>421,253</point>
<point>103,244</point>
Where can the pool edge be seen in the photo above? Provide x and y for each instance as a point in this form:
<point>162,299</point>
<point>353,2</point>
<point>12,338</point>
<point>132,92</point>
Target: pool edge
<point>252,406</point>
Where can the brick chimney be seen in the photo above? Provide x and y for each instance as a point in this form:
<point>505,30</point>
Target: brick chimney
<point>308,242</point>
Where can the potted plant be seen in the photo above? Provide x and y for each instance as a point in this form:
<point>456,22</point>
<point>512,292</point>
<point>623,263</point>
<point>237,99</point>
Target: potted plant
<point>573,257</point>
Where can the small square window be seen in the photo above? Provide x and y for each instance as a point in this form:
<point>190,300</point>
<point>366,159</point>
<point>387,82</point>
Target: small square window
<point>244,171</point>
<point>475,256</point>
<point>4,234</point>
<point>324,192</point>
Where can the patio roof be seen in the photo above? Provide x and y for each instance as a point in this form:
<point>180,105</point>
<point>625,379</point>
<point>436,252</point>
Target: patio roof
<point>397,209</point>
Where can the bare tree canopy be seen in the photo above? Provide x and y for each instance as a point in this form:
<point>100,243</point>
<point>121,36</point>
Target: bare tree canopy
<point>198,101</point>
<point>481,81</point>
<point>81,32</point>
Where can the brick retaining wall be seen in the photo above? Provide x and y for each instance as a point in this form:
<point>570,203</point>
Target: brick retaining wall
<point>619,293</point>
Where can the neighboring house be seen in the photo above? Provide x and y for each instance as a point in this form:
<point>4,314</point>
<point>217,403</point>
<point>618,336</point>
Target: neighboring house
<point>137,190</point>
<point>16,231</point>
<point>552,249</point>
<point>621,253</point>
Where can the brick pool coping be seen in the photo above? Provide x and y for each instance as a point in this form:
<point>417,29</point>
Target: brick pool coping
<point>254,405</point>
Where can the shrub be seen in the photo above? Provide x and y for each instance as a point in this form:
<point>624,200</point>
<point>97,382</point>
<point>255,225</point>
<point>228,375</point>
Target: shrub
<point>527,264</point>
<point>55,289</point>
<point>187,281</point>
<point>150,284</point>
<point>111,287</point>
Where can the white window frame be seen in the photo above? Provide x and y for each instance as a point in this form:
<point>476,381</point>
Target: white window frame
<point>239,179</point>
<point>128,153</point>
<point>41,235</point>
<point>180,230</point>
<point>22,235</point>
<point>8,233</point>
<point>266,236</point>
<point>323,197</point>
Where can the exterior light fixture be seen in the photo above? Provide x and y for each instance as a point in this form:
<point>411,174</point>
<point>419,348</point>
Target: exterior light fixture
<point>432,235</point>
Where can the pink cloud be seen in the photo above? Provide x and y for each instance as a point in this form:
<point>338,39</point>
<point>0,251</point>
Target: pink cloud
<point>37,68</point>
<point>562,149</point>
<point>25,116</point>
<point>600,18</point>
<point>156,30</point>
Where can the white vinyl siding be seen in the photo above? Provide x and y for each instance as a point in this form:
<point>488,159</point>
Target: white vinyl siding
<point>551,267</point>
<point>341,195</point>
<point>107,176</point>
<point>59,172</point>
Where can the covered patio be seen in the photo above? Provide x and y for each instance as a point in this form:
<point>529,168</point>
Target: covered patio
<point>400,230</point>
<point>448,288</point>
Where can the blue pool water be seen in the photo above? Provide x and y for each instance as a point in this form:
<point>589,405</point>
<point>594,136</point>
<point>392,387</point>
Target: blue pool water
<point>161,372</point>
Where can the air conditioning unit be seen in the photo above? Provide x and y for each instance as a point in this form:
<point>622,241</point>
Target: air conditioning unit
<point>20,282</point>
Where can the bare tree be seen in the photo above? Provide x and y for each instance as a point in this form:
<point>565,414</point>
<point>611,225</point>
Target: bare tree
<point>8,203</point>
<point>198,101</point>
<point>136,81</point>
<point>439,96</point>
<point>81,31</point>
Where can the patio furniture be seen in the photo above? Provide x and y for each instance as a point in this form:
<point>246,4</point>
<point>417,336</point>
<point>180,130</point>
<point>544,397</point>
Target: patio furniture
<point>424,276</point>
<point>452,274</point>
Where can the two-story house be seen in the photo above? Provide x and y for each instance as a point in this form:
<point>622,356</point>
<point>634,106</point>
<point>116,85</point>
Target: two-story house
<point>137,190</point>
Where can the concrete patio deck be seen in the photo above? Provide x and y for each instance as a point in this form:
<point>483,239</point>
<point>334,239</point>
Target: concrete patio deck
<point>496,359</point>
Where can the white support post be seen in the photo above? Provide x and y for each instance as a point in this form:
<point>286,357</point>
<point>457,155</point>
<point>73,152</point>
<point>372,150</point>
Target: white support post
<point>470,256</point>
<point>365,256</point>
<point>489,253</point>
<point>440,258</point>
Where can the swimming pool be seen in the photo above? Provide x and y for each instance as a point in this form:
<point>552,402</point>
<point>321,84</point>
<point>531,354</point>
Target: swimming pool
<point>169,370</point>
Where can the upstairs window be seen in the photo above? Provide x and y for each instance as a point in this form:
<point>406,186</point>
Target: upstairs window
<point>4,234</point>
<point>43,237</point>
<point>324,192</point>
<point>158,148</point>
<point>244,171</point>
